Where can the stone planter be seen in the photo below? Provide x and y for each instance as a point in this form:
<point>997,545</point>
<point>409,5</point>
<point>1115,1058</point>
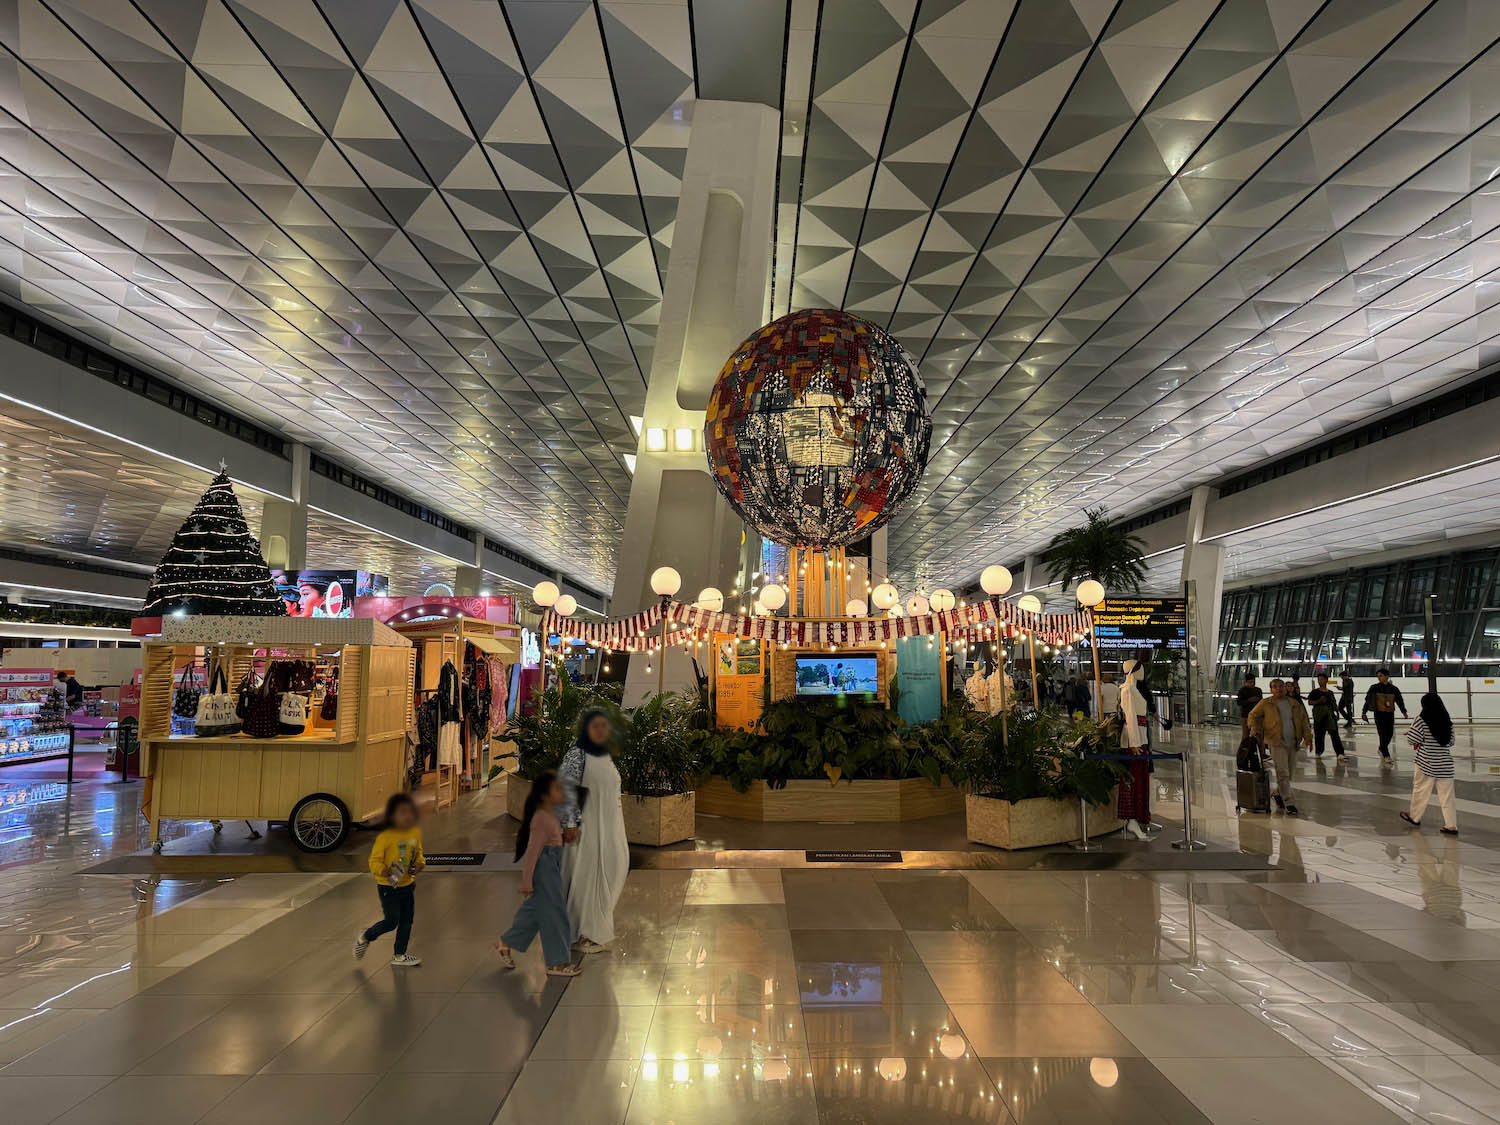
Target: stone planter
<point>1033,823</point>
<point>648,820</point>
<point>865,801</point>
<point>516,789</point>
<point>659,820</point>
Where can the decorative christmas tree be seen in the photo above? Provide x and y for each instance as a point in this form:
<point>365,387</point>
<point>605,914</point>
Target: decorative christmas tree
<point>214,565</point>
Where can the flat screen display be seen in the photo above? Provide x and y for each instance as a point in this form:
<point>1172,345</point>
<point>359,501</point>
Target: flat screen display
<point>837,675</point>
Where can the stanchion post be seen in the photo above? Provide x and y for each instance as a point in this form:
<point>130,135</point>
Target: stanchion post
<point>1187,843</point>
<point>1083,843</point>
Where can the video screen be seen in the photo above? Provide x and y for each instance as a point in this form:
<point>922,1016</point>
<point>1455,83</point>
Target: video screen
<point>837,675</point>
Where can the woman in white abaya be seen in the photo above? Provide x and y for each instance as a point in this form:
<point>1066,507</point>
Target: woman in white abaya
<point>598,857</point>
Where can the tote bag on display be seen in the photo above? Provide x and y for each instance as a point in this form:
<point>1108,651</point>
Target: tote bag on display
<point>292,714</point>
<point>330,709</point>
<point>185,701</point>
<point>262,710</point>
<point>216,717</point>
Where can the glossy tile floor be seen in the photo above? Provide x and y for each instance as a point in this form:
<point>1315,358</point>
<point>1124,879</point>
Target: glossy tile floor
<point>1356,981</point>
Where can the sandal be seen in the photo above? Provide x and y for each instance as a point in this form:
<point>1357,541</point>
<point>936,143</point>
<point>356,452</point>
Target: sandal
<point>588,945</point>
<point>507,958</point>
<point>569,970</point>
<point>1406,816</point>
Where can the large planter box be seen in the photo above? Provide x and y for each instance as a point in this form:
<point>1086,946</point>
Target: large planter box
<point>1033,823</point>
<point>659,820</point>
<point>649,820</point>
<point>864,801</point>
<point>516,789</point>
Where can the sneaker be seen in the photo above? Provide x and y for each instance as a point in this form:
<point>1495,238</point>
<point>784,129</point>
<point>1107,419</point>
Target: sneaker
<point>1406,816</point>
<point>360,947</point>
<point>1448,831</point>
<point>406,960</point>
<point>1280,804</point>
<point>588,946</point>
<point>1291,810</point>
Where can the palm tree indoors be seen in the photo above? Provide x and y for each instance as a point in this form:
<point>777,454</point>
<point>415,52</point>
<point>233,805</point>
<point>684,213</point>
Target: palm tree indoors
<point>1098,551</point>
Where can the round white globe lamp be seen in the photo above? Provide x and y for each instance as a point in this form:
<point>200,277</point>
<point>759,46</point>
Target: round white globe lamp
<point>943,600</point>
<point>1090,593</point>
<point>1029,603</point>
<point>916,605</point>
<point>566,605</point>
<point>995,581</point>
<point>545,594</point>
<point>1104,1072</point>
<point>892,1069</point>
<point>665,581</point>
<point>711,598</point>
<point>884,596</point>
<point>773,597</point>
<point>856,607</point>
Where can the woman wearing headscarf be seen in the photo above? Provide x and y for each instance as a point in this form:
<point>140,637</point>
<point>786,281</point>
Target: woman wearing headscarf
<point>593,822</point>
<point>1431,736</point>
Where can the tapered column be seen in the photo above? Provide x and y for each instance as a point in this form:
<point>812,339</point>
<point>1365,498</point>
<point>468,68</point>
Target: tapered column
<point>716,294</point>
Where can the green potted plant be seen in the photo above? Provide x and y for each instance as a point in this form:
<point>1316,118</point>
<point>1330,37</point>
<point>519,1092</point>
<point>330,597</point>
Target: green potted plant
<point>543,732</point>
<point>659,767</point>
<point>1023,791</point>
<point>1098,551</point>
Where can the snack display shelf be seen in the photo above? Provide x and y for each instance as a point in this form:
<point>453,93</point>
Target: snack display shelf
<point>48,747</point>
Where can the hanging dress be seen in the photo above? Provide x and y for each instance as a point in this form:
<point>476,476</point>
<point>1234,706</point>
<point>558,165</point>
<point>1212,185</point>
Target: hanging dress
<point>597,864</point>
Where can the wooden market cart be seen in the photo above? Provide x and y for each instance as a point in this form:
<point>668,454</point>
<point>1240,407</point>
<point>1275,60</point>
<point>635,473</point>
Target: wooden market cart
<point>320,782</point>
<point>439,640</point>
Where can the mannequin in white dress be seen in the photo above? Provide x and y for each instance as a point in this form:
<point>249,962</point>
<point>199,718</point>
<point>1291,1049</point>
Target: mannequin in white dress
<point>1135,789</point>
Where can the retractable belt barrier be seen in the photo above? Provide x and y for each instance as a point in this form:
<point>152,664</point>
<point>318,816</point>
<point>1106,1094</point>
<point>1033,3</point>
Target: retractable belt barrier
<point>1187,843</point>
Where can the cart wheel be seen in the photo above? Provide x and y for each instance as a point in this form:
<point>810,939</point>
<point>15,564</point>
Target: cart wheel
<point>156,847</point>
<point>319,822</point>
<point>218,826</point>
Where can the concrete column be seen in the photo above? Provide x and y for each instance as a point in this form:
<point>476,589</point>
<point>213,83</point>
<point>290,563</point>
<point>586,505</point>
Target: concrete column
<point>1032,576</point>
<point>468,581</point>
<point>880,556</point>
<point>1203,585</point>
<point>717,293</point>
<point>283,523</point>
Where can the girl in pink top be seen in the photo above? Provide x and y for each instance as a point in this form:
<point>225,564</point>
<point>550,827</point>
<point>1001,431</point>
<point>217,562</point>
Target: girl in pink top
<point>539,847</point>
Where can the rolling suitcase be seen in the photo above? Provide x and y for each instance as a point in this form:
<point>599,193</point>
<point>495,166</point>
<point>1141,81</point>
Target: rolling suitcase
<point>1252,784</point>
<point>1252,791</point>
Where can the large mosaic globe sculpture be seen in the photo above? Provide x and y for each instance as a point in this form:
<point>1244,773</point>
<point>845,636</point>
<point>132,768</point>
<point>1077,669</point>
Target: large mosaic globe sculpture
<point>818,429</point>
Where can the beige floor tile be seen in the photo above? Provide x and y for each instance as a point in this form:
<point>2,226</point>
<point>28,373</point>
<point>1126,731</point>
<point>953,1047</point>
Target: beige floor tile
<point>582,1034</point>
<point>1062,1030</point>
<point>591,1092</point>
<point>769,1091</point>
<point>1197,1031</point>
<point>739,887</point>
<point>1265,1091</point>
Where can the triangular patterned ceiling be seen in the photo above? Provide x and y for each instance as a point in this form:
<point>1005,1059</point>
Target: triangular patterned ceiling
<point>1135,244</point>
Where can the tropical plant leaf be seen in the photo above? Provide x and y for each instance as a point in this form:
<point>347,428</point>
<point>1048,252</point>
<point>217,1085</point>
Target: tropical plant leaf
<point>1098,551</point>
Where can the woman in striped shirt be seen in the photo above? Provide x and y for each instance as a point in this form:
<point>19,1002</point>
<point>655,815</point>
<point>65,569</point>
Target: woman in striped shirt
<point>1432,738</point>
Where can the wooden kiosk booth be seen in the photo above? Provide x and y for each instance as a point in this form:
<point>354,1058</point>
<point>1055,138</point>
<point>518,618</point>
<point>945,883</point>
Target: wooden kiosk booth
<point>320,782</point>
<point>447,640</point>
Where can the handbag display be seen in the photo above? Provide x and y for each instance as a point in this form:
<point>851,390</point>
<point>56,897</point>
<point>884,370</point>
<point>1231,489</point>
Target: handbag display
<point>185,700</point>
<point>263,710</point>
<point>291,715</point>
<point>216,716</point>
<point>330,708</point>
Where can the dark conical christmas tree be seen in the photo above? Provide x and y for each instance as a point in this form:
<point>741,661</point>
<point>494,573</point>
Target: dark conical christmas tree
<point>214,565</point>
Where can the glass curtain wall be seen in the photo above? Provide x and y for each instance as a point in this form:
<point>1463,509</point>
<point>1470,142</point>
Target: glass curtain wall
<point>1367,617</point>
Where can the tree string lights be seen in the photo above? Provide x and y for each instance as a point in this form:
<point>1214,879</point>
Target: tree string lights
<point>214,565</point>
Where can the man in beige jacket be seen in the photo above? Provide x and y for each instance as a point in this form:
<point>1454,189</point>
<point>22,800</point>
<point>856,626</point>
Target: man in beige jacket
<point>1280,723</point>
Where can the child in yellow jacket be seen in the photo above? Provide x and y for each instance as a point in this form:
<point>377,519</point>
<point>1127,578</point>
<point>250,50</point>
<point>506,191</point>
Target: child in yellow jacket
<point>394,861</point>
